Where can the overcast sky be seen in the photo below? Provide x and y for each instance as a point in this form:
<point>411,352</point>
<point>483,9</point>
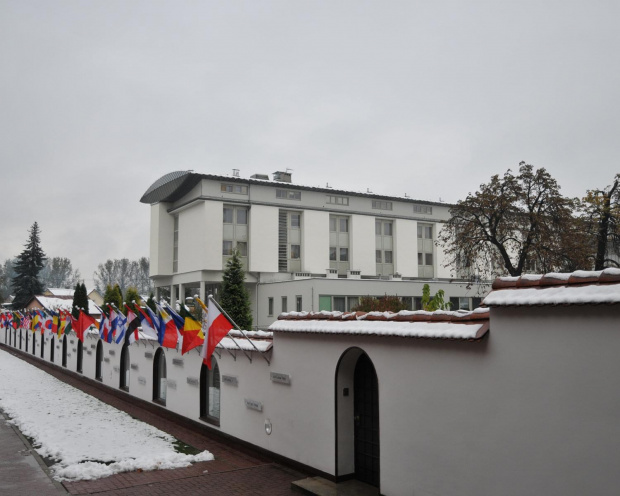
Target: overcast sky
<point>98,99</point>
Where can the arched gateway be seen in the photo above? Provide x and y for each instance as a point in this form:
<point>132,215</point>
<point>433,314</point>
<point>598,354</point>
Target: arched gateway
<point>357,418</point>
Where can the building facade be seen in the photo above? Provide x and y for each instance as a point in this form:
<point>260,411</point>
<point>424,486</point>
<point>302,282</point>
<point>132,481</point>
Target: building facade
<point>304,248</point>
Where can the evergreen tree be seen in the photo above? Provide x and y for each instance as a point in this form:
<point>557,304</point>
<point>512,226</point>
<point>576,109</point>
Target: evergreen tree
<point>234,296</point>
<point>384,304</point>
<point>151,303</point>
<point>131,296</point>
<point>29,263</point>
<point>80,300</point>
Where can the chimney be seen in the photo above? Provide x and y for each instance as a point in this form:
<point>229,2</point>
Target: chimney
<point>283,177</point>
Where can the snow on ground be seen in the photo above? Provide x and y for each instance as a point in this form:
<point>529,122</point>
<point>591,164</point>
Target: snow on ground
<point>87,438</point>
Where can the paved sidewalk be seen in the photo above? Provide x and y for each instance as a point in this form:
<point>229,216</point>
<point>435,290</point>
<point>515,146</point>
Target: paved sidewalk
<point>233,472</point>
<point>21,473</point>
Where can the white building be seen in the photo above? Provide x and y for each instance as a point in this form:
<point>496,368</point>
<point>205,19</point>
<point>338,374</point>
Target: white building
<point>305,248</point>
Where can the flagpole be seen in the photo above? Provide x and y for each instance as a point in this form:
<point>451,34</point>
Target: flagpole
<point>240,330</point>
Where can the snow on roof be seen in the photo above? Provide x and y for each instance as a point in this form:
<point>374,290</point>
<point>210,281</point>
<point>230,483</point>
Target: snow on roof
<point>244,344</point>
<point>61,291</point>
<point>577,288</point>
<point>51,303</point>
<point>415,324</point>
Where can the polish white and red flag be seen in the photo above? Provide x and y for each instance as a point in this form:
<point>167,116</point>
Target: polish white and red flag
<point>217,327</point>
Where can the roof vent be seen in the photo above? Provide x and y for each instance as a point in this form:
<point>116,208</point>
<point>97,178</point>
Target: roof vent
<point>235,172</point>
<point>262,177</point>
<point>283,177</point>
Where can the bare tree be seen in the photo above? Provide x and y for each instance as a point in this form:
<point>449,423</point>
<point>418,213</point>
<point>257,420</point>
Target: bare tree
<point>124,272</point>
<point>58,273</point>
<point>516,223</point>
<point>602,218</point>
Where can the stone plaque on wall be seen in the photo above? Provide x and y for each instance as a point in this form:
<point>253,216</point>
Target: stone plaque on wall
<point>134,366</point>
<point>172,384</point>
<point>116,368</point>
<point>112,352</point>
<point>280,378</point>
<point>88,352</point>
<point>253,405</point>
<point>141,380</point>
<point>177,361</point>
<point>193,381</point>
<point>148,355</point>
<point>93,346</point>
<point>106,360</point>
<point>230,379</point>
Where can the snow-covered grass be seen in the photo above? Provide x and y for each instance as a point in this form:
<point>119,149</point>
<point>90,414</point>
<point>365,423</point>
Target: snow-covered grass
<point>87,438</point>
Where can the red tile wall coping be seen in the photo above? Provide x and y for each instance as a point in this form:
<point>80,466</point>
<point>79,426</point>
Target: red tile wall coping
<point>579,277</point>
<point>480,314</point>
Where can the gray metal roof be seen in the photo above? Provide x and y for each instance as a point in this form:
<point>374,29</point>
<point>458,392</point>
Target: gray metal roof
<point>175,185</point>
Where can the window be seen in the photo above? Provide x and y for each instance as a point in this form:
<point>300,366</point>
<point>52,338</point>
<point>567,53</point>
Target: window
<point>80,355</point>
<point>235,232</point>
<point>270,307</point>
<point>295,220</point>
<point>298,303</point>
<point>289,241</point>
<point>124,379</point>
<point>381,205</point>
<point>99,361</point>
<point>423,209</point>
<point>242,216</point>
<point>339,243</point>
<point>242,246</point>
<point>234,188</point>
<point>295,252</point>
<point>286,194</point>
<point>160,383</point>
<point>425,251</point>
<point>210,393</point>
<point>337,200</point>
<point>175,249</point>
<point>339,304</point>
<point>284,304</point>
<point>384,246</point>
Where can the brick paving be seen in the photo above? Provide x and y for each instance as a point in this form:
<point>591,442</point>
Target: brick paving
<point>235,471</point>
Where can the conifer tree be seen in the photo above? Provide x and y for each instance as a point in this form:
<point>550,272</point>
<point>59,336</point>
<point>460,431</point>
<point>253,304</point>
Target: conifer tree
<point>234,296</point>
<point>28,264</point>
<point>80,300</point>
<point>131,296</point>
<point>151,303</point>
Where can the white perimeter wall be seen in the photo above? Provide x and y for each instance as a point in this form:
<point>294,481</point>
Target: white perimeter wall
<point>532,409</point>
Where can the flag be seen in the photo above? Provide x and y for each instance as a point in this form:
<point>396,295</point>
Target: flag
<point>217,327</point>
<point>192,332</point>
<point>54,323</point>
<point>133,322</point>
<point>121,327</point>
<point>168,335</point>
<point>83,322</point>
<point>113,323</point>
<point>64,320</point>
<point>146,321</point>
<point>104,326</point>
